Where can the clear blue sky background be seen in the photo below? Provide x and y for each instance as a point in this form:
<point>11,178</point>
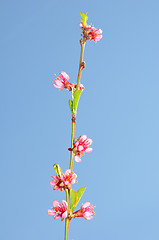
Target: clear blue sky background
<point>118,110</point>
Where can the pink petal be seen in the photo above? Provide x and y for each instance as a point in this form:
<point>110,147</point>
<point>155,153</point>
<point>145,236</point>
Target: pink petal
<point>76,144</point>
<point>52,183</point>
<point>80,148</point>
<point>83,137</point>
<point>62,177</point>
<point>92,28</point>
<point>100,31</point>
<point>87,217</point>
<point>74,175</point>
<point>77,159</point>
<point>98,38</point>
<point>51,212</point>
<point>73,181</point>
<point>58,83</point>
<point>88,150</point>
<point>64,76</point>
<point>56,203</point>
<point>56,217</point>
<point>89,141</point>
<point>56,86</point>
<point>88,214</point>
<point>65,204</point>
<point>86,204</point>
<point>68,171</point>
<point>64,215</point>
<point>66,182</point>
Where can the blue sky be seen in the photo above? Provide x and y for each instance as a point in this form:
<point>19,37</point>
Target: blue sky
<point>118,109</point>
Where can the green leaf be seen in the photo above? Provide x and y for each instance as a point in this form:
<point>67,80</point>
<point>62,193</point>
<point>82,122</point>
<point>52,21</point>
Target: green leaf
<point>57,169</point>
<point>80,193</point>
<point>84,18</point>
<point>76,96</point>
<point>71,105</point>
<point>75,197</point>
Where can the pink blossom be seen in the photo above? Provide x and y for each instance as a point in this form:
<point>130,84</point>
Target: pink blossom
<point>56,183</point>
<point>62,81</point>
<point>95,34</point>
<point>59,210</point>
<point>80,146</point>
<point>86,211</point>
<point>69,177</point>
<point>64,181</point>
<point>91,33</point>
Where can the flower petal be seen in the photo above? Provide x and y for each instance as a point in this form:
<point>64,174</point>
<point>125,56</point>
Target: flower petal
<point>88,141</point>
<point>80,148</point>
<point>66,182</point>
<point>64,76</point>
<point>52,183</point>
<point>87,217</point>
<point>56,217</point>
<point>68,171</point>
<point>77,159</point>
<point>88,150</point>
<point>58,83</point>
<point>86,204</point>
<point>51,212</point>
<point>83,137</point>
<point>64,203</point>
<point>56,203</point>
<point>65,214</point>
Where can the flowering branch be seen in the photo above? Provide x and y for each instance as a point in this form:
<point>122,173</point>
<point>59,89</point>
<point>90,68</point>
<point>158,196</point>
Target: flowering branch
<point>63,181</point>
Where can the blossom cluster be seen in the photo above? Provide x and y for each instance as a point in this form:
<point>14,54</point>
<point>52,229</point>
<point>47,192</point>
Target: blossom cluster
<point>64,181</point>
<point>81,145</point>
<point>62,81</point>
<point>85,211</point>
<point>61,211</point>
<point>91,33</point>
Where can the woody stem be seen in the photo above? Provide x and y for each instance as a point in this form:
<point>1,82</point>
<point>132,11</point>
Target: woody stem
<point>67,221</point>
<point>67,224</point>
<point>82,42</point>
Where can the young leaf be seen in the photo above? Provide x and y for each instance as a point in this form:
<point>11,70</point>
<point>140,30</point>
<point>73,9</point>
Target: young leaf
<point>73,199</point>
<point>71,105</point>
<point>79,193</point>
<point>84,18</point>
<point>76,97</point>
<point>57,169</point>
